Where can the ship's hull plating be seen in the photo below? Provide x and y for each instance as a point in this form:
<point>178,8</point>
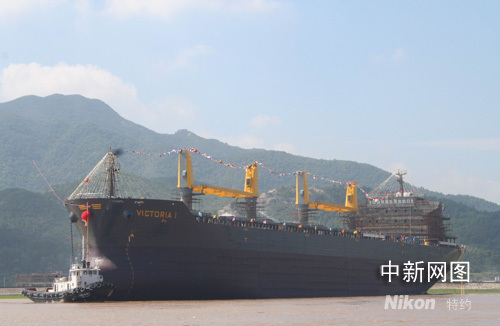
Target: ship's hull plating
<point>157,249</point>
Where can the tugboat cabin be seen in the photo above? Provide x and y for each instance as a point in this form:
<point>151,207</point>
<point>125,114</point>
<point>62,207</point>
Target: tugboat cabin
<point>80,275</point>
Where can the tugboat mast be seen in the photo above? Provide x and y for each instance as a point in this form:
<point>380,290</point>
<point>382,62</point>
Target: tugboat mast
<point>84,255</point>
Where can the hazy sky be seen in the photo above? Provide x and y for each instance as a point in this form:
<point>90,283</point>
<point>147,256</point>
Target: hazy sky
<point>413,85</point>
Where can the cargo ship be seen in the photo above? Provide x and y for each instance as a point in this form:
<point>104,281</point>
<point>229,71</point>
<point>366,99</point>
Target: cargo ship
<point>158,249</point>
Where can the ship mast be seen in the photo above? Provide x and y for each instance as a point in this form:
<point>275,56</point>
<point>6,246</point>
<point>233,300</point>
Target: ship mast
<point>400,175</point>
<point>111,171</point>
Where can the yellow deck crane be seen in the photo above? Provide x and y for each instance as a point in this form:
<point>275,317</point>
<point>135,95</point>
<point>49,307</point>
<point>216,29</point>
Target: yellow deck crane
<point>304,205</point>
<point>187,187</point>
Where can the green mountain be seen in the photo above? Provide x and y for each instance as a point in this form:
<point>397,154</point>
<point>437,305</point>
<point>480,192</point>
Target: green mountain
<point>67,135</point>
<point>478,230</point>
<point>34,234</point>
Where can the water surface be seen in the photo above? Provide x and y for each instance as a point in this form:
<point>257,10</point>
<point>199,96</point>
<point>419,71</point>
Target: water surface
<point>450,309</point>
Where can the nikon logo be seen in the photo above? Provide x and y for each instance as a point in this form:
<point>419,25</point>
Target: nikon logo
<point>404,302</point>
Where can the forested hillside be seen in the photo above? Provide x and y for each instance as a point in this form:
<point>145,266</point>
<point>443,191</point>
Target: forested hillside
<point>479,232</point>
<point>67,135</point>
<point>34,234</point>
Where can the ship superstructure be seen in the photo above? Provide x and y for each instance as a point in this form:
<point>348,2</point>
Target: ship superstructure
<point>396,208</point>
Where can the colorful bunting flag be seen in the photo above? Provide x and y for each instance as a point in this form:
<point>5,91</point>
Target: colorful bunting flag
<point>280,174</point>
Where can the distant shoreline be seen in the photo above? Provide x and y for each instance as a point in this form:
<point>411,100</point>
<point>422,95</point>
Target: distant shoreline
<point>472,287</point>
<point>10,291</point>
<point>3,296</point>
<point>467,286</point>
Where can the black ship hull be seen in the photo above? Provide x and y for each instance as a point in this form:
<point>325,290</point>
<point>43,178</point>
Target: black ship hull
<point>159,250</point>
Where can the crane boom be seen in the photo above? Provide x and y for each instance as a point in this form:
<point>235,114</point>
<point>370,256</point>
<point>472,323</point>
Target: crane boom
<point>185,180</point>
<point>221,192</point>
<point>302,197</point>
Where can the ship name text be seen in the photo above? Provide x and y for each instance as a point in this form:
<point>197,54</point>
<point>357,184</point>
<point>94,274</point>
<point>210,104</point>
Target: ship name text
<point>156,214</point>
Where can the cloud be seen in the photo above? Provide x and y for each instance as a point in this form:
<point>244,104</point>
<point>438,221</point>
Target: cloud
<point>93,82</point>
<point>378,58</point>
<point>285,147</point>
<point>187,55</point>
<point>130,8</point>
<point>83,7</point>
<point>247,141</point>
<point>178,106</point>
<point>250,141</point>
<point>15,7</point>
<point>169,115</point>
<point>485,144</point>
<point>399,55</point>
<point>17,80</point>
<point>262,120</point>
<point>168,8</point>
<point>253,5</point>
<point>395,166</point>
<point>454,181</point>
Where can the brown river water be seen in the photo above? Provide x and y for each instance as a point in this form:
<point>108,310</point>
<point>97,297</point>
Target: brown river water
<point>449,309</point>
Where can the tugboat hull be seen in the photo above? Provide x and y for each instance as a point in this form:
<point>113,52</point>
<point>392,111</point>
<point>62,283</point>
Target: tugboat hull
<point>93,292</point>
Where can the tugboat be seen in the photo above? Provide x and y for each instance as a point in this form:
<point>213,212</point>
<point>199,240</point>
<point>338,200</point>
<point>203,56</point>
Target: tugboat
<point>83,284</point>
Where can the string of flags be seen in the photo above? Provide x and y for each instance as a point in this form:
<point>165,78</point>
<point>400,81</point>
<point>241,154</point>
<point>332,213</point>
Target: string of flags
<point>174,151</point>
<point>210,157</point>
